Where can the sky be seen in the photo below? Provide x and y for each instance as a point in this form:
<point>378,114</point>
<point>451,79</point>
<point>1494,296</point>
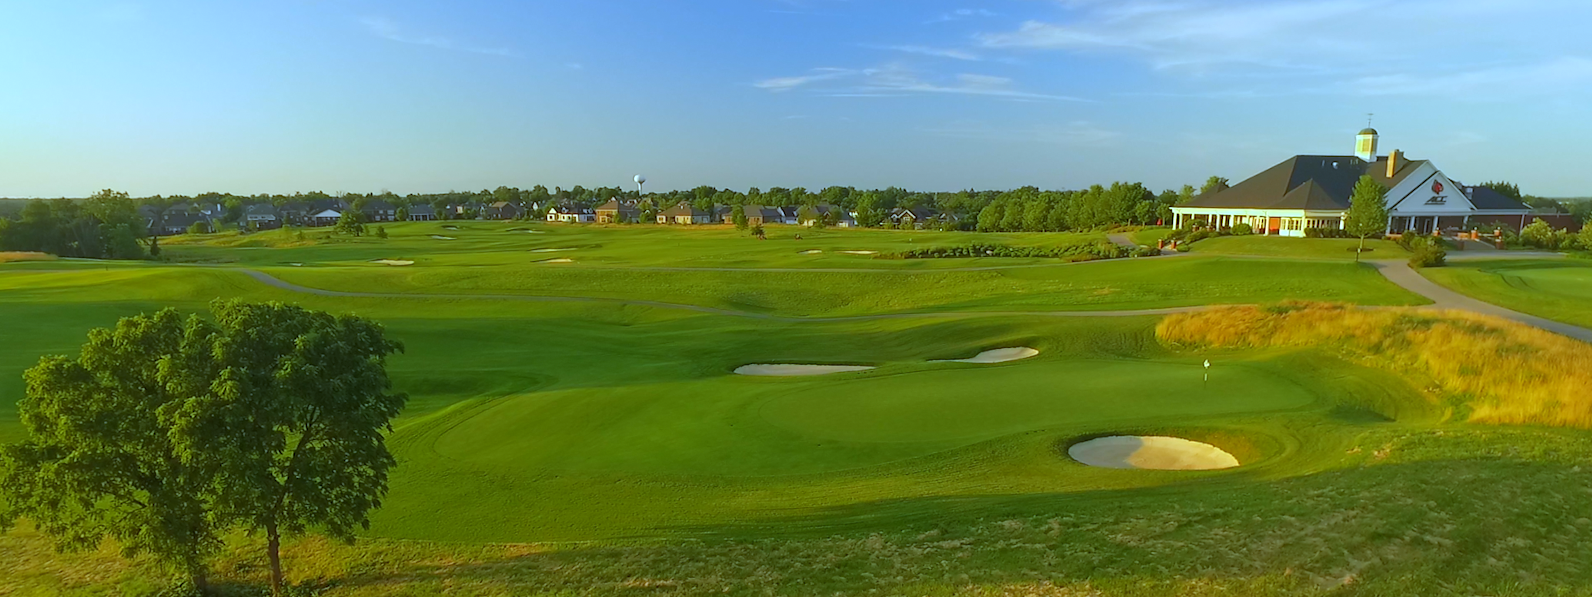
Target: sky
<point>278,96</point>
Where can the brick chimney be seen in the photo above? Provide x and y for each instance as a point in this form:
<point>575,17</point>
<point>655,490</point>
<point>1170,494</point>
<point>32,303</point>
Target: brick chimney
<point>1393,164</point>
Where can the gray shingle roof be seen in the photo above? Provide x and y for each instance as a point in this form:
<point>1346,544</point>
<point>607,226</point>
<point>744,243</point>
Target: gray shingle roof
<point>1284,186</point>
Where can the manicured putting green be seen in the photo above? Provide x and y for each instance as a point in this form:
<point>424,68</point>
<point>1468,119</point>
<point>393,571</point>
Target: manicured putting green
<point>968,405</point>
<point>1559,289</point>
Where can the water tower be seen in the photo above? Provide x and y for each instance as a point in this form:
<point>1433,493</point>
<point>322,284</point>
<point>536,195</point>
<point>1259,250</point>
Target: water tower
<point>640,180</point>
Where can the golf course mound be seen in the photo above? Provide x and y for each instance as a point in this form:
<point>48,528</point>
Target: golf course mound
<point>393,262</point>
<point>998,355</point>
<point>1157,453</point>
<point>796,370</point>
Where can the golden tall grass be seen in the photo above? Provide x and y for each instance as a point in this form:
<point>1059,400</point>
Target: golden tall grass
<point>1500,371</point>
<point>11,256</point>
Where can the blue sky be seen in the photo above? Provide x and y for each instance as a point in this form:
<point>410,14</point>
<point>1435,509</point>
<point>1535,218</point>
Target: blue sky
<point>287,95</point>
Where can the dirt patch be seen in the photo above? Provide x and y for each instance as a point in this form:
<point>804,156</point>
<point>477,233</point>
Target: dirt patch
<point>796,370</point>
<point>999,355</point>
<point>1158,453</point>
<point>16,256</point>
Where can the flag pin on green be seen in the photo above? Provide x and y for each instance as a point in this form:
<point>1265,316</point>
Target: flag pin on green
<point>1207,371</point>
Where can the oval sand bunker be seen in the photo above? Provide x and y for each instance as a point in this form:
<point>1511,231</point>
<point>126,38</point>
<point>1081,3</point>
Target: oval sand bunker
<point>999,355</point>
<point>1151,453</point>
<point>796,370</point>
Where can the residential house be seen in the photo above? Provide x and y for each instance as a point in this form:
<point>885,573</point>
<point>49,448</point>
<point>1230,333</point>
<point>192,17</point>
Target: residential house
<point>262,216</point>
<point>618,211</point>
<point>181,222</point>
<point>326,217</point>
<point>841,217</point>
<point>913,217</point>
<point>571,214</point>
<point>502,210</point>
<point>685,213</point>
<point>376,210</point>
<point>790,214</point>
<point>761,215</point>
<point>422,212</point>
<point>294,213</point>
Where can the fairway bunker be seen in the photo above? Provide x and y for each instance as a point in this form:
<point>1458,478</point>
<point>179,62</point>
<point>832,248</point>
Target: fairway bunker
<point>1157,453</point>
<point>796,370</point>
<point>393,262</point>
<point>998,355</point>
<point>812,251</point>
<point>860,252</point>
<point>550,250</point>
<point>557,261</point>
<point>440,237</point>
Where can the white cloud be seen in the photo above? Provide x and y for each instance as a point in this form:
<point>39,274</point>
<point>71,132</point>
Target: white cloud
<point>963,13</point>
<point>387,29</point>
<point>895,80</point>
<point>951,53</point>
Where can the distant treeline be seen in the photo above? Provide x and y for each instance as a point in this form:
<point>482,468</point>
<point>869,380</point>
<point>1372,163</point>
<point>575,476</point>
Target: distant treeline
<point>104,226</point>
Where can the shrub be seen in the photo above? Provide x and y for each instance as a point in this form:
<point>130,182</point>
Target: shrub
<point>1332,233</point>
<point>1427,251</point>
<point>1243,229</point>
<point>1540,235</point>
<point>199,228</point>
<point>1080,252</point>
<point>1495,371</point>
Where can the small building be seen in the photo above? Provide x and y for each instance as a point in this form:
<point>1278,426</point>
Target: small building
<point>295,213</point>
<point>841,217</point>
<point>685,213</point>
<point>327,217</point>
<point>422,212</point>
<point>502,210</point>
<point>262,216</point>
<point>913,217</point>
<point>761,215</point>
<point>1313,191</point>
<point>376,210</point>
<point>617,211</point>
<point>182,222</point>
<point>571,214</point>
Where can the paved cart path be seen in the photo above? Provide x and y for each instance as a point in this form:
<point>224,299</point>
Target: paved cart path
<point>1399,272</point>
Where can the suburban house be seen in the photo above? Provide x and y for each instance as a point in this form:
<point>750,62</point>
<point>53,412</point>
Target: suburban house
<point>376,210</point>
<point>913,217</point>
<point>328,217</point>
<point>296,213</point>
<point>502,210</point>
<point>842,218</point>
<point>618,211</point>
<point>262,216</point>
<point>571,213</point>
<point>758,215</point>
<point>422,212</point>
<point>180,222</point>
<point>685,213</point>
<point>790,214</point>
<point>1312,191</point>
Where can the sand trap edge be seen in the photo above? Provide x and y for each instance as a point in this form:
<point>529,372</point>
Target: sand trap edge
<point>996,356</point>
<point>767,370</point>
<point>1154,452</point>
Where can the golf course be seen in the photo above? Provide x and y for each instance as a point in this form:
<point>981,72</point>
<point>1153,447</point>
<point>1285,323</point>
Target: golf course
<point>616,409</point>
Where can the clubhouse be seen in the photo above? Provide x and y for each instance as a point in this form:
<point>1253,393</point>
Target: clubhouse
<point>1312,191</point>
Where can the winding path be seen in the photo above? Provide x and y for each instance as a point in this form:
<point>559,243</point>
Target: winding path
<point>1400,273</point>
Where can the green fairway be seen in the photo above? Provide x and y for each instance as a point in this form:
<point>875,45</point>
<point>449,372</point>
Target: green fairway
<point>619,431</point>
<point>1558,289</point>
<point>1301,248</point>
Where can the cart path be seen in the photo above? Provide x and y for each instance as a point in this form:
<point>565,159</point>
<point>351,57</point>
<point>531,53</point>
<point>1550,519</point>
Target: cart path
<point>1400,273</point>
<point>291,287</point>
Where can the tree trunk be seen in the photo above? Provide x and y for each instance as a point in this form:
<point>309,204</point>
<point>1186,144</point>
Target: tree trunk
<point>273,548</point>
<point>201,582</point>
<point>1360,250</point>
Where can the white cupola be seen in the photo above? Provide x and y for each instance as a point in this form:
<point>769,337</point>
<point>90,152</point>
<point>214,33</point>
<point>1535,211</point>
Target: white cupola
<point>1365,145</point>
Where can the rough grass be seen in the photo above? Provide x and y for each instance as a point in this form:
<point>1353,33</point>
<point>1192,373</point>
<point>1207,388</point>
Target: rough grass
<point>20,256</point>
<point>1492,370</point>
<point>1557,289</point>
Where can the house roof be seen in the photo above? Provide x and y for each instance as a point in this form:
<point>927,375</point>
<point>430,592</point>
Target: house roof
<point>377,205</point>
<point>1314,182</point>
<point>684,209</point>
<point>260,209</point>
<point>422,209</point>
<point>329,213</point>
<point>1486,198</point>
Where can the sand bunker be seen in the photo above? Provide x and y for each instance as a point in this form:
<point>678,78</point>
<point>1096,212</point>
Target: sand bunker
<point>443,237</point>
<point>1151,453</point>
<point>860,252</point>
<point>557,261</point>
<point>450,227</point>
<point>549,250</point>
<point>393,262</point>
<point>999,355</point>
<point>812,251</point>
<point>796,370</point>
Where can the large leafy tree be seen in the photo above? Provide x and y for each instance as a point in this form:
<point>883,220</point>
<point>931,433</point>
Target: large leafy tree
<point>167,431</point>
<point>1367,213</point>
<point>101,461</point>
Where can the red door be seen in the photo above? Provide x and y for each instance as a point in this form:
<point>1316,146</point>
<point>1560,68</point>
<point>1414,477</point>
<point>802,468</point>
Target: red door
<point>1274,225</point>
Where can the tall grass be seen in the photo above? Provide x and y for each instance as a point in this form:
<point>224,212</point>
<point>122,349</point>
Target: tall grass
<point>1492,370</point>
<point>15,256</point>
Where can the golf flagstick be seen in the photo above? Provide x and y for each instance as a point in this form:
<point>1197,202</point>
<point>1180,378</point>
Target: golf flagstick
<point>1207,373</point>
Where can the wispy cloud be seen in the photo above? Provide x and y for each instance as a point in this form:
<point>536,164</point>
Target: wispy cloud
<point>1495,82</point>
<point>962,13</point>
<point>389,30</point>
<point>951,53</point>
<point>896,80</point>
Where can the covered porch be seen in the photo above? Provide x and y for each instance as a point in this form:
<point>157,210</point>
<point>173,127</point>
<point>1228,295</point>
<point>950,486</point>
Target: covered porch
<point>1263,222</point>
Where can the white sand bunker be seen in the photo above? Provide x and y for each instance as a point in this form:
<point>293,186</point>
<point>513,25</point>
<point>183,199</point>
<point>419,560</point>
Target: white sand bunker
<point>999,355</point>
<point>796,370</point>
<point>1151,453</point>
<point>812,251</point>
<point>860,252</point>
<point>393,262</point>
<point>438,237</point>
<point>549,250</point>
<point>557,261</point>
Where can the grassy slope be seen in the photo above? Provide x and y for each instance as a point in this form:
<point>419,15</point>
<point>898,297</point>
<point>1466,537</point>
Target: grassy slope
<point>1555,289</point>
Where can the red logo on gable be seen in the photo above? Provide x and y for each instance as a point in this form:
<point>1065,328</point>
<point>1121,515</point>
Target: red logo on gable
<point>1437,187</point>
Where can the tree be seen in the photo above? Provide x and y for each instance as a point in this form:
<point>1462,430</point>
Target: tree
<point>757,231</point>
<point>1214,184</point>
<point>351,222</point>
<point>1586,236</point>
<point>1185,195</point>
<point>137,481</point>
<point>381,232</point>
<point>808,216</point>
<point>402,215</point>
<point>738,214</point>
<point>296,430</point>
<point>199,227</point>
<point>1507,189</point>
<point>123,245</point>
<point>1367,213</point>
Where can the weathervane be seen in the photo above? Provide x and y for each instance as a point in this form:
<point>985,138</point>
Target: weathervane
<point>1368,117</point>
